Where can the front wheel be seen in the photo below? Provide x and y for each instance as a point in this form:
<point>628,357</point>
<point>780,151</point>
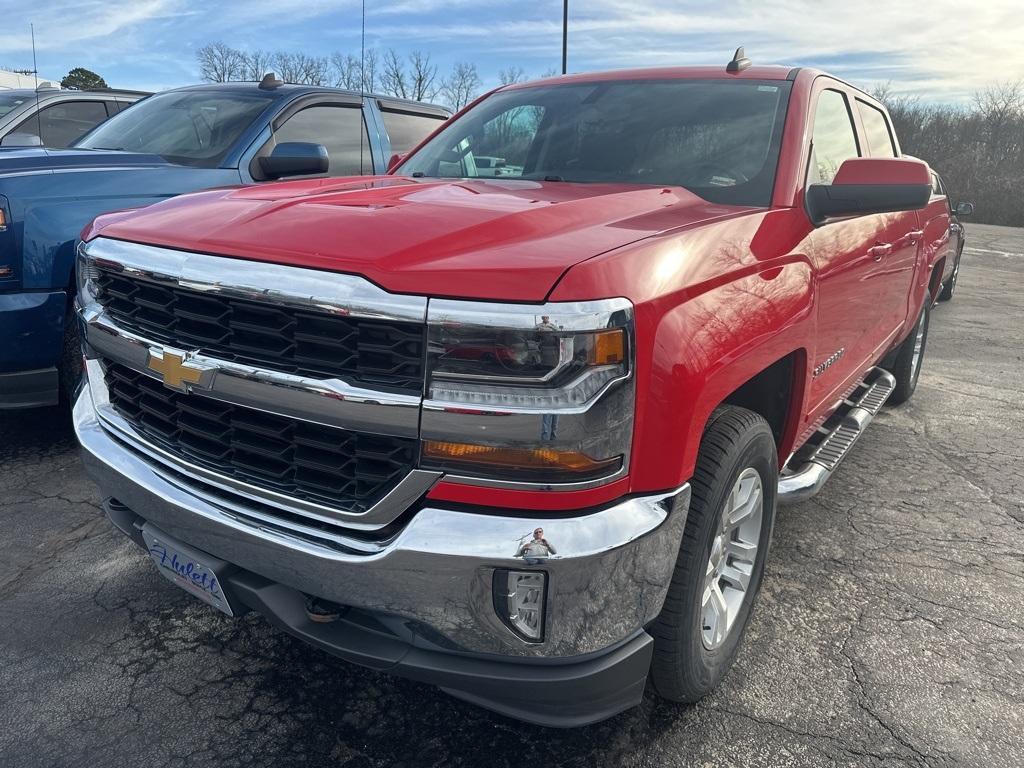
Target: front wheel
<point>70,366</point>
<point>721,559</point>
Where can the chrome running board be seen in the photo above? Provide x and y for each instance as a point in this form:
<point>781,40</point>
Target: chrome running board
<point>818,460</point>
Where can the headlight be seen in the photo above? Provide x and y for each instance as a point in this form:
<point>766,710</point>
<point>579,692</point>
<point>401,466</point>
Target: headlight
<point>86,276</point>
<point>530,393</point>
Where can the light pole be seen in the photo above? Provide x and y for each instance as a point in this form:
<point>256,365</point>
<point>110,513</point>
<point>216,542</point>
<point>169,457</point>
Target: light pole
<point>565,35</point>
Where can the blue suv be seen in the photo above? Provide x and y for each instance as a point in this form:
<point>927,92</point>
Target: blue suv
<point>176,141</point>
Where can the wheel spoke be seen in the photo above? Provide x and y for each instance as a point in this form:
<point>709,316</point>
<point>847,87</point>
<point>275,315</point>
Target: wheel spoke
<point>741,550</point>
<point>721,612</point>
<point>736,576</point>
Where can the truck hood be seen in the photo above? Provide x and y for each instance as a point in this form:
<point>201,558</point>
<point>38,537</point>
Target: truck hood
<point>14,161</point>
<point>482,239</point>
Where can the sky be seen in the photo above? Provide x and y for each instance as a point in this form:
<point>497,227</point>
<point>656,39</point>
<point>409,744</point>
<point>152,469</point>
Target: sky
<point>942,50</point>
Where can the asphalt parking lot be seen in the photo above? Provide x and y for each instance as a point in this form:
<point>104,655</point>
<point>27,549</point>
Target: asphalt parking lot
<point>890,629</point>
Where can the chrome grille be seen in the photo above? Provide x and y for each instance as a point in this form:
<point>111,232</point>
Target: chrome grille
<point>308,461</point>
<point>384,354</point>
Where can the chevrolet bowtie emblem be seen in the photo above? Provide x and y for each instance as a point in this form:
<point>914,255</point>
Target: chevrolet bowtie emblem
<point>176,373</point>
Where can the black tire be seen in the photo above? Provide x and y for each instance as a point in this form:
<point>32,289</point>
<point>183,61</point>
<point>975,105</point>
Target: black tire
<point>904,365</point>
<point>683,668</point>
<point>70,366</point>
<point>950,286</point>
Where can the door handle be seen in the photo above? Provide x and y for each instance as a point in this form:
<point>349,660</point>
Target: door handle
<point>915,234</point>
<point>879,250</point>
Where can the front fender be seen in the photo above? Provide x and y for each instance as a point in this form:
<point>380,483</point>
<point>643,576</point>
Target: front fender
<point>51,209</point>
<point>707,347</point>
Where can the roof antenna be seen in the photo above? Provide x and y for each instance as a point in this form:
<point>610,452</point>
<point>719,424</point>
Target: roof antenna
<point>270,81</point>
<point>35,73</point>
<point>362,83</point>
<point>739,61</point>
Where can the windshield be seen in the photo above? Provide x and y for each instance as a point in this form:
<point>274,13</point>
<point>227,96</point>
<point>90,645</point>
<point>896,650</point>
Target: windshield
<point>13,100</point>
<point>719,139</point>
<point>195,128</point>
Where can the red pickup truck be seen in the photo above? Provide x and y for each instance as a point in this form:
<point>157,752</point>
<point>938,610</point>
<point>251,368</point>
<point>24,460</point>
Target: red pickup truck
<point>518,436</point>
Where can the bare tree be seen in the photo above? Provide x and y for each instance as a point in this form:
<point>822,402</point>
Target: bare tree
<point>422,77</point>
<point>511,75</point>
<point>461,86</point>
<point>347,70</point>
<point>219,63</point>
<point>302,68</point>
<point>393,78</point>
<point>255,64</point>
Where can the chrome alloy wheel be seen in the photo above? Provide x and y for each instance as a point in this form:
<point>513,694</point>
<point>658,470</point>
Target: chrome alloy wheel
<point>733,554</point>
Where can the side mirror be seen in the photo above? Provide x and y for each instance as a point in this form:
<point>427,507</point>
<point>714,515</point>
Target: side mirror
<point>21,140</point>
<point>395,160</point>
<point>866,185</point>
<point>964,208</point>
<point>295,158</point>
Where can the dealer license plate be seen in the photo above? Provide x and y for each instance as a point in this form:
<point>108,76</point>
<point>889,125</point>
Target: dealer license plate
<point>192,570</point>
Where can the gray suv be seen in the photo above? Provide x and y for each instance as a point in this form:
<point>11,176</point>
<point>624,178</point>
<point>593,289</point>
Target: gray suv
<point>56,118</point>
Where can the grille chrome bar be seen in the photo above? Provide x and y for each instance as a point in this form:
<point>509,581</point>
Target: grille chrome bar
<point>330,402</point>
<point>273,284</point>
<point>386,510</point>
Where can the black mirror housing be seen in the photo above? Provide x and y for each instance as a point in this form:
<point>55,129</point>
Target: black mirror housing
<point>295,158</point>
<point>963,208</point>
<point>825,201</point>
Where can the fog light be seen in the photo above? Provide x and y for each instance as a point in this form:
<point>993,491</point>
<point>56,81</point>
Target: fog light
<point>519,601</point>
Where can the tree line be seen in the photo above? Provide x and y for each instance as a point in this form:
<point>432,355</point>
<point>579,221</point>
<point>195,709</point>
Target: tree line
<point>977,149</point>
<point>414,76</point>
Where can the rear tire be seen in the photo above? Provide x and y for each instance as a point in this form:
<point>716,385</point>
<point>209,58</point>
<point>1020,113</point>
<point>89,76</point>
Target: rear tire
<point>906,364</point>
<point>737,455</point>
<point>947,290</point>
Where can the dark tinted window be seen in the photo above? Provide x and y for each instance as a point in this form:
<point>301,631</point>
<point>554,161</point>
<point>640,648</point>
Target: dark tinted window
<point>340,129</point>
<point>187,127</point>
<point>407,130</point>
<point>62,124</point>
<point>876,131</point>
<point>718,139</point>
<point>13,99</point>
<point>834,139</point>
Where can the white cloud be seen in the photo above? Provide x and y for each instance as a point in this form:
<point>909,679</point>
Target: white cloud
<point>944,50</point>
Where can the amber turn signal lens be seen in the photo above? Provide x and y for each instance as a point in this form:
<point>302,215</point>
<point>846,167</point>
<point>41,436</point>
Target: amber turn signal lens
<point>609,347</point>
<point>3,220</point>
<point>525,458</point>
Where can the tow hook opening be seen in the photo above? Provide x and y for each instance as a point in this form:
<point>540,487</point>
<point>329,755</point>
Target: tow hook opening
<point>323,611</point>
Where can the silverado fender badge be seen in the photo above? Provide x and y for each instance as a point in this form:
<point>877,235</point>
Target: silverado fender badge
<point>176,371</point>
<point>828,362</point>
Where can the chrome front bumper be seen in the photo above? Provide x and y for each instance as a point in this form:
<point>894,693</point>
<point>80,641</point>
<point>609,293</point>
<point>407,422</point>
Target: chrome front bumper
<point>606,582</point>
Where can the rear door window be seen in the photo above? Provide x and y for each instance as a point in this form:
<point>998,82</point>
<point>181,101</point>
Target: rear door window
<point>408,129</point>
<point>62,124</point>
<point>340,129</point>
<point>834,139</point>
<point>876,131</point>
